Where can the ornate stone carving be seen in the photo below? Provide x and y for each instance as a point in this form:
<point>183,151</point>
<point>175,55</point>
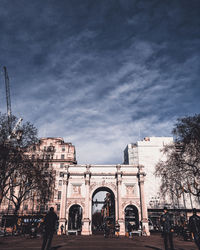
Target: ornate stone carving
<point>129,190</point>
<point>76,190</point>
<point>65,182</point>
<point>113,186</point>
<point>108,184</point>
<point>69,202</point>
<point>124,204</point>
<point>92,186</point>
<point>87,182</point>
<point>130,202</point>
<point>119,182</point>
<point>118,167</point>
<point>75,201</point>
<point>137,204</point>
<point>103,183</point>
<point>82,204</point>
<point>88,167</point>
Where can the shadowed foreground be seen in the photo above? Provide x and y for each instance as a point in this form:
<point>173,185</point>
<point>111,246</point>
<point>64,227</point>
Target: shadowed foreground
<point>96,242</point>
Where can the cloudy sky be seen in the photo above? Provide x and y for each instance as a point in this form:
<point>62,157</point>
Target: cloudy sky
<point>101,73</point>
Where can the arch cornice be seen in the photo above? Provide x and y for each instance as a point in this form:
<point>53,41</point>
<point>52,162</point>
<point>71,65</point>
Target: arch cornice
<point>95,185</point>
<point>130,202</point>
<point>75,201</point>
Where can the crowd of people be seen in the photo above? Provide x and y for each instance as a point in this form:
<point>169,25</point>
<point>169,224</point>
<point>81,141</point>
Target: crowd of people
<point>189,230</point>
<point>48,225</point>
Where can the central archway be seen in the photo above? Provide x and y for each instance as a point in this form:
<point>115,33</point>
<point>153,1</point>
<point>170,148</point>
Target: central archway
<point>103,209</point>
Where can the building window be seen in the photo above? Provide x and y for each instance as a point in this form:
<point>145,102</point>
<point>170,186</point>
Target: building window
<point>63,149</point>
<point>60,182</point>
<point>61,174</point>
<point>62,156</point>
<point>61,165</point>
<point>59,195</point>
<point>58,207</point>
<point>50,148</point>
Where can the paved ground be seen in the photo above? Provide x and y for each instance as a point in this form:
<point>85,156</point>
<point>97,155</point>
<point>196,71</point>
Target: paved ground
<point>93,242</point>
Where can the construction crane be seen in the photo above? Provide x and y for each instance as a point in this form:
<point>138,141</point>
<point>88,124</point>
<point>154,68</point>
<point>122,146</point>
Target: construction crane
<point>15,132</point>
<point>8,98</point>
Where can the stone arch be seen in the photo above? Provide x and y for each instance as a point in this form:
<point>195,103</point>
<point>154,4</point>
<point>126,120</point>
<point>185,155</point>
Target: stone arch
<point>105,214</point>
<point>103,184</point>
<point>131,216</point>
<point>75,202</point>
<point>75,216</point>
<point>128,203</point>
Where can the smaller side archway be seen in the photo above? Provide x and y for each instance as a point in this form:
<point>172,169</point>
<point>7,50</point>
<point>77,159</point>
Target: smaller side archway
<point>75,218</point>
<point>131,218</point>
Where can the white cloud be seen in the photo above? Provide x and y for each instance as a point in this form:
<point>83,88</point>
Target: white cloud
<point>100,94</point>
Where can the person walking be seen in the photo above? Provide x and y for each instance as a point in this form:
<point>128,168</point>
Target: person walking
<point>166,222</point>
<point>49,228</point>
<point>129,228</point>
<point>117,229</point>
<point>62,229</point>
<point>194,226</point>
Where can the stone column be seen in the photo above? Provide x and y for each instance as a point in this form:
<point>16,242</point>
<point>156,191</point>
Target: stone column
<point>63,206</point>
<point>87,220</point>
<point>143,207</point>
<point>120,216</point>
<point>117,198</point>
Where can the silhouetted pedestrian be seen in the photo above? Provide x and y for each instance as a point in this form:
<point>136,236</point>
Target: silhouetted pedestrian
<point>166,222</point>
<point>49,228</point>
<point>117,229</point>
<point>194,226</point>
<point>129,228</point>
<point>62,229</point>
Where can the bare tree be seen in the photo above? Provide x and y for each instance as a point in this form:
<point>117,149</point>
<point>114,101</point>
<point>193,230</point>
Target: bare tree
<point>32,179</point>
<point>21,174</point>
<point>9,158</point>
<point>181,171</point>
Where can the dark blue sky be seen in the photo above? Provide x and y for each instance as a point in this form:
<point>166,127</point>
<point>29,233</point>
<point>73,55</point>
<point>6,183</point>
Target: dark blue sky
<point>101,73</point>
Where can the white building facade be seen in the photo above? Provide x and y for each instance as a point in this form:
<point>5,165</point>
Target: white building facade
<point>148,152</point>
